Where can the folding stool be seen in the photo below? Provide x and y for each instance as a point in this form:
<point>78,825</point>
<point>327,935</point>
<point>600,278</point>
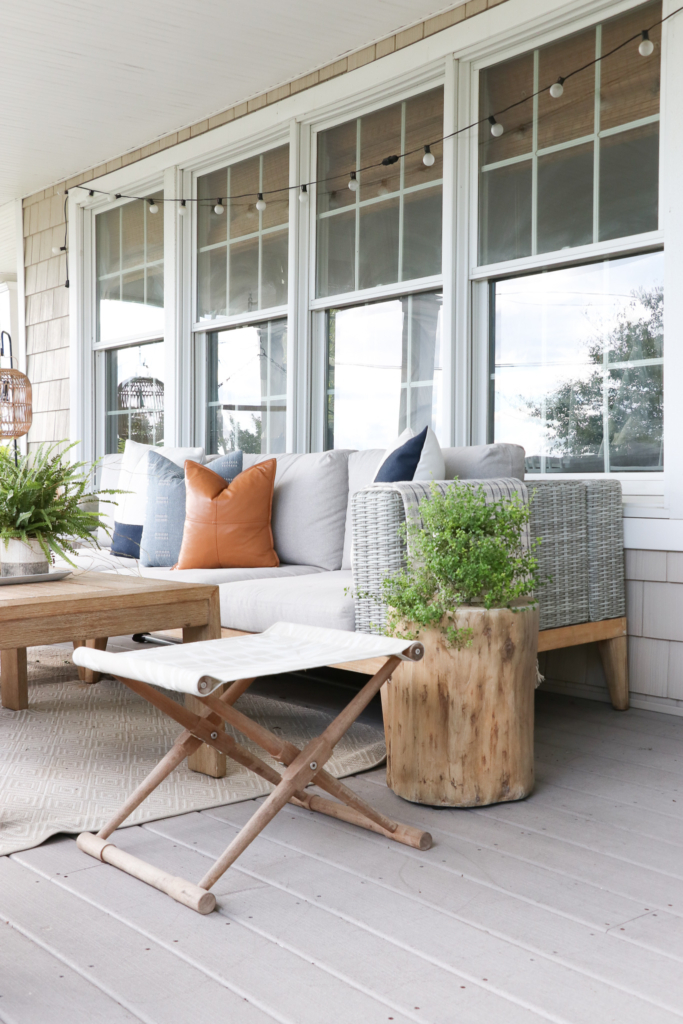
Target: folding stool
<point>199,668</point>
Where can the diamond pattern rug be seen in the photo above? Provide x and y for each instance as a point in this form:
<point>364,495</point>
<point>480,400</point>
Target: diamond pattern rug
<point>69,761</point>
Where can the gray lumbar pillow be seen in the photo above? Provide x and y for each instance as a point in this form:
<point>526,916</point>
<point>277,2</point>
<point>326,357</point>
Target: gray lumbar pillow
<point>162,533</point>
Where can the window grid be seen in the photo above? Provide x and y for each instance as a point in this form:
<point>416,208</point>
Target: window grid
<point>400,194</point>
<point>593,138</point>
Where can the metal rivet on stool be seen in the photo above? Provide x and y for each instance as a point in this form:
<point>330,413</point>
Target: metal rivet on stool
<point>203,685</point>
<point>214,735</point>
<point>313,765</point>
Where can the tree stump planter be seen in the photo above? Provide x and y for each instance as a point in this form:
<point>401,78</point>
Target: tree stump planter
<point>459,724</point>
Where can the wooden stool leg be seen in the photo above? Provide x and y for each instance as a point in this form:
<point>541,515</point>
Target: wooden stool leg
<point>614,657</point>
<point>206,759</point>
<point>14,679</point>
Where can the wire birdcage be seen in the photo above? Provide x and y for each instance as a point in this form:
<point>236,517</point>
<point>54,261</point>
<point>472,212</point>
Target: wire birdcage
<point>16,405</point>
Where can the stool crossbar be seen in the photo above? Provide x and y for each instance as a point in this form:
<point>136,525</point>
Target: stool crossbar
<point>200,668</point>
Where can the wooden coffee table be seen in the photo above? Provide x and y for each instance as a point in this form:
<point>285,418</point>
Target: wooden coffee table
<point>88,608</point>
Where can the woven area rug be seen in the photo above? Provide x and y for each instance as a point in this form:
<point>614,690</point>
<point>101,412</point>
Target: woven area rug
<point>70,760</point>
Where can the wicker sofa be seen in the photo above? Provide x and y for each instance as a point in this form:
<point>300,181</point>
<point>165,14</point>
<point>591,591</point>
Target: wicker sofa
<point>580,527</point>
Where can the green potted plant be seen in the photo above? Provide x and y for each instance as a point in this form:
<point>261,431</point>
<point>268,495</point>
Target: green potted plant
<point>46,502</point>
<point>459,723</point>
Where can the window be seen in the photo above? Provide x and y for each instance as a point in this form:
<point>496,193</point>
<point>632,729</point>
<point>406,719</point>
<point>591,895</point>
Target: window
<point>242,252</point>
<point>578,366</point>
<point>134,387</point>
<point>389,230</point>
<point>129,243</point>
<point>579,169</point>
<point>383,370</point>
<point>247,388</point>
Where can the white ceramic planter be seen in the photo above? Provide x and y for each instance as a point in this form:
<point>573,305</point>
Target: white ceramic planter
<point>22,559</point>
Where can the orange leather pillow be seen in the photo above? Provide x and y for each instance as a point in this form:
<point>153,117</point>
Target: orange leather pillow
<point>227,526</point>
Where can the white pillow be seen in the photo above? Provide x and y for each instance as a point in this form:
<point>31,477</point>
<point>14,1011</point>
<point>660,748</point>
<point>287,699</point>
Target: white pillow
<point>131,507</point>
<point>431,465</point>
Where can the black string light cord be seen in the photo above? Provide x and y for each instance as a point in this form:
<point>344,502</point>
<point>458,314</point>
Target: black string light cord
<point>643,35</point>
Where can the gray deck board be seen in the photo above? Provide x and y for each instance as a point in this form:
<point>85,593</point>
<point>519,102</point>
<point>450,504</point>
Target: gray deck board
<point>566,907</point>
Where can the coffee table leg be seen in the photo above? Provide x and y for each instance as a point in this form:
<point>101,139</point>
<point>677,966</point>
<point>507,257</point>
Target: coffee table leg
<point>206,760</point>
<point>87,675</point>
<point>14,678</point>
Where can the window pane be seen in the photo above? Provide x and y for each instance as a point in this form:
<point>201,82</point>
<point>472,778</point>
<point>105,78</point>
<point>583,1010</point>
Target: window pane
<point>130,271</point>
<point>389,203</point>
<point>499,86</point>
<point>134,387</point>
<point>505,213</point>
<point>241,262</point>
<point>383,370</point>
<point>565,198</point>
<point>422,220</point>
<point>629,182</point>
<point>337,253</point>
<point>274,269</point>
<point>630,83</point>
<point>244,276</point>
<point>378,260</point>
<point>247,386</point>
<point>572,115</point>
<point>570,381</point>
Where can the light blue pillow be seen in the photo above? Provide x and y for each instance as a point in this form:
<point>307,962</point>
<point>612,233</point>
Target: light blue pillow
<point>162,533</point>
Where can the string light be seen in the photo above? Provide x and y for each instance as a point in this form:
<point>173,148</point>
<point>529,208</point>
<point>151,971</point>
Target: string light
<point>647,47</point>
<point>496,128</point>
<point>56,249</point>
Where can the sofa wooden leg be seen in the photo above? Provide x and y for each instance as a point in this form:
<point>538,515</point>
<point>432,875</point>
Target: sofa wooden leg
<point>614,657</point>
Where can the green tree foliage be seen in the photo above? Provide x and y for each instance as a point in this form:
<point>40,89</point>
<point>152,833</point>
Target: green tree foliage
<point>465,552</point>
<point>574,416</point>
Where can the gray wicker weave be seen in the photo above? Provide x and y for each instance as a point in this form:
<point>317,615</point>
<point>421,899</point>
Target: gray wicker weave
<point>579,523</point>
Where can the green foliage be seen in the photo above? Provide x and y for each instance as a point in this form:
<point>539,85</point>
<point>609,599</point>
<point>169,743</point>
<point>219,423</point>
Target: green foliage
<point>466,552</point>
<point>42,498</point>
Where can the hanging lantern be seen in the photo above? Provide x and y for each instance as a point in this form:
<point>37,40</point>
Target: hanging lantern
<point>16,409</point>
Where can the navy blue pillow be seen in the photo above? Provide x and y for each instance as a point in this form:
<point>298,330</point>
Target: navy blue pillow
<point>165,515</point>
<point>402,462</point>
<point>126,540</point>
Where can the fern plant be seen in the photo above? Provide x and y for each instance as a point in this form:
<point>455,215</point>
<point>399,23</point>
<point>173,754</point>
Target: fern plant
<point>42,498</point>
<point>466,552</point>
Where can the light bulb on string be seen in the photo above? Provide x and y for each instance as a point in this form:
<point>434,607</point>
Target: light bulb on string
<point>219,208</point>
<point>56,249</point>
<point>111,197</point>
<point>646,47</point>
<point>303,195</point>
<point>383,189</point>
<point>153,208</point>
<point>496,128</point>
<point>260,203</point>
<point>353,182</point>
<point>182,208</point>
<point>428,159</point>
<point>557,88</point>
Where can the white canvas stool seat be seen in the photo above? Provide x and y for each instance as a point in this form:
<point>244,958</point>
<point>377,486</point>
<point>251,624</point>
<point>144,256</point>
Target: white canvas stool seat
<point>198,669</point>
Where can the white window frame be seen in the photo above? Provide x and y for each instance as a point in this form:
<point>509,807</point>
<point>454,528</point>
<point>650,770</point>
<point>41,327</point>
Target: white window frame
<point>457,54</point>
<point>639,488</point>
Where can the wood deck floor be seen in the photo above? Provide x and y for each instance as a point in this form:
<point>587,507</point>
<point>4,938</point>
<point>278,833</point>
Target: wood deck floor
<point>566,907</point>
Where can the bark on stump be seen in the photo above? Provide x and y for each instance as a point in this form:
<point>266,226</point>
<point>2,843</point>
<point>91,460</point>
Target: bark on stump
<point>460,723</point>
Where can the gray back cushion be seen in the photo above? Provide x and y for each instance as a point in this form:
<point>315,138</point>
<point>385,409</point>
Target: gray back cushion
<point>309,506</point>
<point>476,462</point>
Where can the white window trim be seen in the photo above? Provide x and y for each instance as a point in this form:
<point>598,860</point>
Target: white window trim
<point>456,54</point>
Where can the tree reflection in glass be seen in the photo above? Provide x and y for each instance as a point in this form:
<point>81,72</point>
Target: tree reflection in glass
<point>578,362</point>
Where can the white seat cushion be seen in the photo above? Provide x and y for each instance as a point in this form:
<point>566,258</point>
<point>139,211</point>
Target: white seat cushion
<point>227,575</point>
<point>312,600</point>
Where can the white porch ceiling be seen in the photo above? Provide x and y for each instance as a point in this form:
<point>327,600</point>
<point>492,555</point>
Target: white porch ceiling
<point>83,81</point>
